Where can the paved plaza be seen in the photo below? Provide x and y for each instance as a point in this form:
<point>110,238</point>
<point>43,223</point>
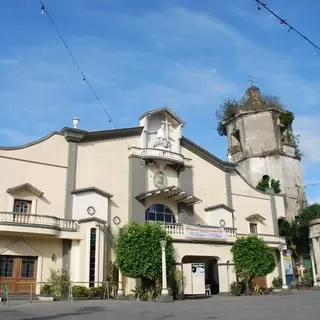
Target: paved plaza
<point>297,306</point>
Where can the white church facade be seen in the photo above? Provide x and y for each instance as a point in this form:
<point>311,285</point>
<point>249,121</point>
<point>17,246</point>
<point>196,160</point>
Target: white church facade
<point>60,195</point>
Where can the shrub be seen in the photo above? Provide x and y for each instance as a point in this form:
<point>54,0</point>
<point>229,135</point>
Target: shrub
<point>252,258</point>
<point>59,282</point>
<point>277,283</point>
<point>80,291</point>
<point>139,252</point>
<point>46,290</point>
<point>237,288</point>
<point>101,291</point>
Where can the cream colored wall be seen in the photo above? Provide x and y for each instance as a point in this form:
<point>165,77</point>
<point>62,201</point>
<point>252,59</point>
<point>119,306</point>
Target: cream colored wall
<point>215,216</point>
<point>44,166</point>
<point>105,165</point>
<point>208,185</point>
<point>82,201</point>
<point>169,172</point>
<point>248,201</point>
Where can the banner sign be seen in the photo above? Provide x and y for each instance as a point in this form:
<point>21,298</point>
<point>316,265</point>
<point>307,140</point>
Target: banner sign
<point>287,261</point>
<point>197,232</point>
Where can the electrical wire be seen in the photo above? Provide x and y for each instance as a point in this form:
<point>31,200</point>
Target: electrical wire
<point>283,21</point>
<point>84,77</point>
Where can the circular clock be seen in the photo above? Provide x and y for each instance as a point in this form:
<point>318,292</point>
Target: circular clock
<point>160,180</point>
<point>222,223</point>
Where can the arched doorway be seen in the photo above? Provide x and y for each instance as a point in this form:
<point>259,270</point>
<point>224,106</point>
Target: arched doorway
<point>211,270</point>
<point>160,213</point>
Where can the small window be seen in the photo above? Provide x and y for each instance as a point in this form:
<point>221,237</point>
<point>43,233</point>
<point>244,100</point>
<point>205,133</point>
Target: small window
<point>253,228</point>
<point>6,266</point>
<point>22,206</point>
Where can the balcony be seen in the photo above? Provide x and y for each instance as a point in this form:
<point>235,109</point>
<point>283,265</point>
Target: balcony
<point>152,153</point>
<point>272,240</point>
<point>31,223</point>
<point>209,233</point>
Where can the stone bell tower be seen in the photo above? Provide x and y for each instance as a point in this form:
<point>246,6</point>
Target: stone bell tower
<point>261,141</point>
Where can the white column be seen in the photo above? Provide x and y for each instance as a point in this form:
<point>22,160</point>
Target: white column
<point>283,273</point>
<point>120,285</point>
<point>164,291</point>
<point>223,270</point>
<point>315,283</point>
<point>316,256</point>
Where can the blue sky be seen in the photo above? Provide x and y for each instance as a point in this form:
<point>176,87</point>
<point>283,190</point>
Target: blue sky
<point>139,55</point>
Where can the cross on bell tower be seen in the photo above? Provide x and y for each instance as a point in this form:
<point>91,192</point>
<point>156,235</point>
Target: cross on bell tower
<point>251,80</point>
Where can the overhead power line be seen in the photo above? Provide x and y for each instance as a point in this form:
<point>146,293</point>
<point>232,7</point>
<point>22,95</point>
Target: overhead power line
<point>84,77</point>
<point>284,22</point>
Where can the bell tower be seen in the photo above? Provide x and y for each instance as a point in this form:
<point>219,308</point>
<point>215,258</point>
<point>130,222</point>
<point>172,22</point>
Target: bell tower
<point>261,141</point>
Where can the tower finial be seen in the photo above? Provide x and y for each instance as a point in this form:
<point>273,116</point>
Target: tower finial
<point>251,80</point>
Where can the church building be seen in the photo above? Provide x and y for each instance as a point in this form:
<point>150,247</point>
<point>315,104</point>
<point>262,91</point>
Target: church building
<point>62,195</point>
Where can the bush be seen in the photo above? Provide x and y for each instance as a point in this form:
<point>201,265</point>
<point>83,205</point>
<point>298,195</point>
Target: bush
<point>59,282</point>
<point>46,290</point>
<point>138,250</point>
<point>237,288</point>
<point>277,283</point>
<point>252,258</point>
<point>100,292</point>
<point>80,291</point>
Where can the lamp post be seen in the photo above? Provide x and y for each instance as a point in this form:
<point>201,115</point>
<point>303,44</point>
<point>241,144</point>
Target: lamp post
<point>164,291</point>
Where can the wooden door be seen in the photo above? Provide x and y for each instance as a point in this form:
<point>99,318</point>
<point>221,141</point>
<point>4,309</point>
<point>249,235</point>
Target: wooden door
<point>19,273</point>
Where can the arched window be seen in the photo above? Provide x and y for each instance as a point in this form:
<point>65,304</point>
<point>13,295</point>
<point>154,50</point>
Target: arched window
<point>159,212</point>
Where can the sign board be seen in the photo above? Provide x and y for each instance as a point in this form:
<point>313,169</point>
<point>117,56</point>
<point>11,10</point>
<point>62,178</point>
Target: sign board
<point>287,261</point>
<point>198,232</point>
<point>197,268</point>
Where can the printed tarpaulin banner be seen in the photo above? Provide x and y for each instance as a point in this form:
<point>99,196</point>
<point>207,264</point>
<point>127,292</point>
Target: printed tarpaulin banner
<point>198,232</point>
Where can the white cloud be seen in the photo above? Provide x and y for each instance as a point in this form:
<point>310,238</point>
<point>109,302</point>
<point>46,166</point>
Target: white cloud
<point>308,127</point>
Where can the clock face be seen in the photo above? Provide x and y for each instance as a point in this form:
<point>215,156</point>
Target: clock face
<point>160,180</point>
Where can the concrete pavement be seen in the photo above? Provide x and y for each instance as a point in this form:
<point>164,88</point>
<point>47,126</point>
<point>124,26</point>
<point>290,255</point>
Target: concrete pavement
<point>294,307</point>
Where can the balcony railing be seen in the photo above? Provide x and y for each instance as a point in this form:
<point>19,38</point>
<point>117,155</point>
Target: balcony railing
<point>177,231</point>
<point>157,153</point>
<point>25,219</point>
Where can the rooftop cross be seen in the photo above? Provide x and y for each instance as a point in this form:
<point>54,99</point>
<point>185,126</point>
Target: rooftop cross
<point>251,79</point>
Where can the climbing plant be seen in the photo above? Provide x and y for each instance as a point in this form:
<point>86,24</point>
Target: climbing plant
<point>286,118</point>
<point>266,183</point>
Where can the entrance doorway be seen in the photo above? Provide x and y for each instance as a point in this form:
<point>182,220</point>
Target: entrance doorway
<point>18,273</point>
<point>211,270</point>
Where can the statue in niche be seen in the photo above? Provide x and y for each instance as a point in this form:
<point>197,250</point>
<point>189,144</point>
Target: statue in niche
<point>163,139</point>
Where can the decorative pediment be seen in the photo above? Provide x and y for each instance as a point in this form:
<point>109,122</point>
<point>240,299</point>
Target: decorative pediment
<point>165,110</point>
<point>256,217</point>
<point>26,186</point>
<point>93,189</point>
<point>219,206</point>
<point>19,249</point>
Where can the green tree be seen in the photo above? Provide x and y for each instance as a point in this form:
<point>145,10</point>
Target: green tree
<point>252,258</point>
<point>138,250</point>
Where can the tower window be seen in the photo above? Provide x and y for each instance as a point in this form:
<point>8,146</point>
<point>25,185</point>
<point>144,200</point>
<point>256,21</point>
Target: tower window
<point>236,136</point>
